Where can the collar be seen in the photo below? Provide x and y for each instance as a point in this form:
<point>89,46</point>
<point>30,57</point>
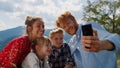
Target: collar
<point>54,48</point>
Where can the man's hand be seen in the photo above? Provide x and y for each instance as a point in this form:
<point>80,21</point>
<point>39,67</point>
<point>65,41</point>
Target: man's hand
<point>91,43</point>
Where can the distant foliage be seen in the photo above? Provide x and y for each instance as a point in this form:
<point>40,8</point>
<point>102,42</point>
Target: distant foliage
<point>105,12</point>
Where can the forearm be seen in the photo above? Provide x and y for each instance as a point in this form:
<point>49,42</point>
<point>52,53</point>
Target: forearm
<point>106,45</point>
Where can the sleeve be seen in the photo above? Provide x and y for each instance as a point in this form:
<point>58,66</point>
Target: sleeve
<point>105,35</point>
<point>30,61</point>
<point>69,58</point>
<point>11,53</point>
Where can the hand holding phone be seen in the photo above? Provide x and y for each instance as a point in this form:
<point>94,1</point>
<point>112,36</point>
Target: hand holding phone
<point>87,31</point>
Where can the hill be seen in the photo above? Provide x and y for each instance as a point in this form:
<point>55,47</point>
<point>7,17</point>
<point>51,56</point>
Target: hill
<point>9,34</point>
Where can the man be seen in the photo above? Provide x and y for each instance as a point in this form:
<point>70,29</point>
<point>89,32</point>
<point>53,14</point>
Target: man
<point>102,45</point>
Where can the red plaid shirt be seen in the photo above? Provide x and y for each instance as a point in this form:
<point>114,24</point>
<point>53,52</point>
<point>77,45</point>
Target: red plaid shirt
<point>14,52</point>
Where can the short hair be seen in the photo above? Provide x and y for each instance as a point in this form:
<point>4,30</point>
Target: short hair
<point>41,42</point>
<point>63,18</point>
<point>54,31</point>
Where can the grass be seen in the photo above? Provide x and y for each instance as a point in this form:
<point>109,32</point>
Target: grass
<point>118,63</point>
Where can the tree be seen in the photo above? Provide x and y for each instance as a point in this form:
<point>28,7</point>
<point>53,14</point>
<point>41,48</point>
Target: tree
<point>105,12</point>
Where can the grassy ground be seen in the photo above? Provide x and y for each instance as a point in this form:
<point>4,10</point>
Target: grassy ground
<point>118,63</point>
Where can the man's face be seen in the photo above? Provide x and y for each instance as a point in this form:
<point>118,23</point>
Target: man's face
<point>70,27</point>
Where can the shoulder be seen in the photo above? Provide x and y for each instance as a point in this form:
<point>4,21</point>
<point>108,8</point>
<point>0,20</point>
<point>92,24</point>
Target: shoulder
<point>96,25</point>
<point>31,61</point>
<point>20,39</point>
<point>31,57</point>
<point>65,45</point>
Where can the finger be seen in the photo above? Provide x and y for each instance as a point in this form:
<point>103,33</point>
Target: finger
<point>95,33</point>
<point>94,50</point>
<point>13,65</point>
<point>86,49</point>
<point>86,45</point>
<point>88,42</point>
<point>87,37</point>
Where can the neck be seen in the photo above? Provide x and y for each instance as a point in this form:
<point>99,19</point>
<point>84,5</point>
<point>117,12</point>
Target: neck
<point>30,37</point>
<point>40,56</point>
<point>77,27</point>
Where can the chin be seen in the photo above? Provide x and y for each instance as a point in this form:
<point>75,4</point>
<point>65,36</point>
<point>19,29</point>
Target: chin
<point>71,33</point>
<point>40,36</point>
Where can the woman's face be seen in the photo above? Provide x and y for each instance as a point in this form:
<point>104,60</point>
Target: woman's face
<point>70,27</point>
<point>37,29</point>
<point>57,40</point>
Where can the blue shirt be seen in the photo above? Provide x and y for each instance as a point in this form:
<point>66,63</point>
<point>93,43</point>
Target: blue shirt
<point>102,59</point>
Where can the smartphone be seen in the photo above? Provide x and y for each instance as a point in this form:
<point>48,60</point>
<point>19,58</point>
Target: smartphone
<point>87,30</point>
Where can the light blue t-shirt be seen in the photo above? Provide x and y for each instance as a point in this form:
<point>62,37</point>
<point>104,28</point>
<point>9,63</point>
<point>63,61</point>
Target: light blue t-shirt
<point>102,59</point>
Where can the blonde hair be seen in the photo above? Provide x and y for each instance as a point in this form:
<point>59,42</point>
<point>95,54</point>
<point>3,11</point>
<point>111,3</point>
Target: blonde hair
<point>54,31</point>
<point>41,42</point>
<point>63,19</point>
<point>30,21</point>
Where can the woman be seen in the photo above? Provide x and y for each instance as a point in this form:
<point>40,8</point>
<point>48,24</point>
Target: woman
<point>17,49</point>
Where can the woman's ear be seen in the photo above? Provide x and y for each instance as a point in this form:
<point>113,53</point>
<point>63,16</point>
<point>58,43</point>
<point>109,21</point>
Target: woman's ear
<point>29,28</point>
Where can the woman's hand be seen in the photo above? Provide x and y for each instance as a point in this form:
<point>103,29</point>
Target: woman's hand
<point>13,65</point>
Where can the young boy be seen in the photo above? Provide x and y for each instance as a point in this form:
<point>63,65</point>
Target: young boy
<point>37,58</point>
<point>61,55</point>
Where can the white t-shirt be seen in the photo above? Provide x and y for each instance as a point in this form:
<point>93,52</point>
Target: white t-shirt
<point>32,61</point>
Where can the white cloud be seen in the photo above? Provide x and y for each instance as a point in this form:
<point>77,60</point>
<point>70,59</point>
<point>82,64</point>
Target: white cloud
<point>2,26</point>
<point>49,10</point>
<point>3,0</point>
<point>29,1</point>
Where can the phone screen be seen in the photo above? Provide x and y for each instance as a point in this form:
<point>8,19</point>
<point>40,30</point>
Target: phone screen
<point>87,30</point>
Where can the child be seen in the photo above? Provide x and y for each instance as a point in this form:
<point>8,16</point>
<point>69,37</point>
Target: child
<point>37,58</point>
<point>61,55</point>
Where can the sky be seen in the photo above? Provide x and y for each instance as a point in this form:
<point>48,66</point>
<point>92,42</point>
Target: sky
<point>14,12</point>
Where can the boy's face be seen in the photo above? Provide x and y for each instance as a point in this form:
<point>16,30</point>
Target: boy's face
<point>57,40</point>
<point>70,27</point>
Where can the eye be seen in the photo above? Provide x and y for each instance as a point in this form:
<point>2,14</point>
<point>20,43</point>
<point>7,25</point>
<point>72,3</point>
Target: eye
<point>56,38</point>
<point>61,38</point>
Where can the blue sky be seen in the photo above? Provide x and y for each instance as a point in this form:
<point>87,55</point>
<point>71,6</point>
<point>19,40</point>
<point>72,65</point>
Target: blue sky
<point>14,12</point>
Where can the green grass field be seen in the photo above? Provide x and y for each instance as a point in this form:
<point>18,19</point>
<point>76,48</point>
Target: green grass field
<point>118,63</point>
